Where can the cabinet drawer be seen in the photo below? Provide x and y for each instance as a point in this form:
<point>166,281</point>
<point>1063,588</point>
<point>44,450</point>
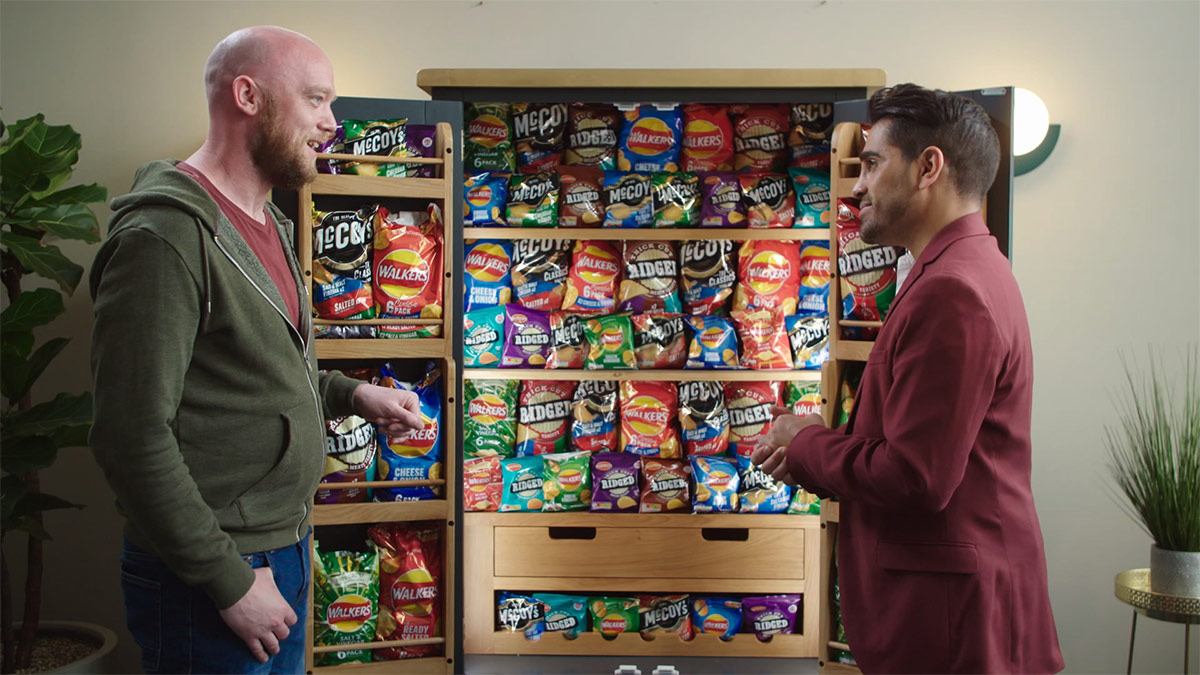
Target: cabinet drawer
<point>654,552</point>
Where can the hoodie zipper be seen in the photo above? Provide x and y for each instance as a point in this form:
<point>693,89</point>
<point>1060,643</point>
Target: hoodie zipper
<point>296,332</point>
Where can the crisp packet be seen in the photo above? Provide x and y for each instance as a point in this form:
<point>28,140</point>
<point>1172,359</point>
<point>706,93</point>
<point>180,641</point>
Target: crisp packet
<point>716,482</point>
<point>714,343</point>
<point>770,614</point>
<point>665,614</point>
<point>703,418</point>
<point>567,481</point>
<point>664,486</point>
<point>544,417</point>
<point>721,200</point>
<point>526,337</point>
<point>487,273</point>
<point>483,337</point>
<point>482,483</point>
<point>566,341</point>
<point>417,454</point>
<point>566,614</point>
<point>648,426</point>
<point>812,197</point>
<point>490,422</point>
<point>594,416</point>
<point>522,478</point>
<point>717,615</point>
<point>485,196</point>
<point>611,616</point>
<point>617,480</point>
<point>610,342</point>
<point>628,200</point>
<point>758,492</point>
<point>520,612</point>
<point>533,200</point>
<point>650,139</point>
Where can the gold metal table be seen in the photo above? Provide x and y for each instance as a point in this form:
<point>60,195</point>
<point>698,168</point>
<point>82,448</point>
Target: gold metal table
<point>1133,588</point>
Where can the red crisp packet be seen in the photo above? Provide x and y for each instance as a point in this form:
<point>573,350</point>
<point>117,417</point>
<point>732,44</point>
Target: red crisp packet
<point>481,483</point>
<point>749,405</point>
<point>410,571</point>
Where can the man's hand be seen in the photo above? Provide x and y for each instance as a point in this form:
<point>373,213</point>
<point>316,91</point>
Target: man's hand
<point>770,453</point>
<point>261,618</point>
<point>395,411</point>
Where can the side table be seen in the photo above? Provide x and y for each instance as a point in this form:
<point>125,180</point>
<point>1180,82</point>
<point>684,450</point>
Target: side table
<point>1133,588</point>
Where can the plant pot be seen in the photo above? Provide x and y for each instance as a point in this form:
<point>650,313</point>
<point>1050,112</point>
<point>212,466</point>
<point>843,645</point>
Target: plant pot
<point>1175,572</point>
<point>100,660</point>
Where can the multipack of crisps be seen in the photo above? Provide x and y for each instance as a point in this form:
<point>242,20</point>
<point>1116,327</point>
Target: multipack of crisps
<point>722,616</point>
<point>567,481</point>
<point>533,199</point>
<point>566,614</point>
<point>482,483</point>
<point>664,486</point>
<point>566,341</point>
<point>385,138</point>
<point>764,339</point>
<point>648,419</point>
<point>758,491</point>
<point>522,484</point>
<point>610,342</point>
<point>716,485</point>
<point>417,454</point>
<point>650,139</point>
<point>592,282</point>
<point>538,134</point>
<point>665,614</point>
<point>769,200</point>
<point>485,195</point>
<point>544,417</point>
<point>483,337</point>
<point>408,264</point>
<point>627,199</point>
<point>487,273</point>
<point>616,477</point>
<point>350,451</point>
<point>803,398</point>
<point>651,282</point>
<point>675,199</point>
<point>345,604</point>
<point>410,573</point>
<point>580,196</point>
<point>867,270</point>
<point>490,423</point>
<point>594,416</point>
<point>760,137</point>
<point>707,273</point>
<point>721,200</point>
<point>768,276</point>
<point>707,138</point>
<point>812,197</point>
<point>659,341</point>
<point>342,263</point>
<point>811,128</point>
<point>526,337</point>
<point>703,418</point>
<point>714,343</point>
<point>593,131</point>
<point>488,142</point>
<point>750,417</point>
<point>539,272</point>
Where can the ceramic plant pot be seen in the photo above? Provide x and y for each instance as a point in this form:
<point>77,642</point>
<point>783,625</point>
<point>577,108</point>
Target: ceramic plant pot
<point>1175,572</point>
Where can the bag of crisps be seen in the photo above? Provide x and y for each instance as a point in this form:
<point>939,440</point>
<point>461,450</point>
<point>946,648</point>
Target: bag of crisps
<point>544,417</point>
<point>592,282</point>
<point>814,278</point>
<point>567,481</point>
<point>651,282</point>
<point>768,276</point>
<point>648,419</point>
<point>341,243</point>
<point>408,264</point>
<point>522,479</point>
<point>868,272</point>
<point>616,477</point>
<point>716,483</point>
<point>664,486</point>
<point>610,342</point>
<point>717,615</point>
<point>707,274</point>
<point>566,614</point>
<point>594,416</point>
<point>771,614</point>
<point>750,417</point>
<point>659,340</point>
<point>345,603</point>
<point>611,616</point>
<point>487,273</point>
<point>350,451</point>
<point>808,336</point>
<point>812,197</point>
<point>539,272</point>
<point>538,133</point>
<point>488,142</point>
<point>417,454</point>
<point>410,572</point>
<point>485,196</point>
<point>566,341</point>
<point>758,492</point>
<point>714,343</point>
<point>592,135</point>
<point>804,503</point>
<point>650,139</point>
<point>721,200</point>
<point>764,339</point>
<point>703,418</point>
<point>520,612</point>
<point>385,138</point>
<point>707,138</point>
<point>490,422</point>
<point>769,200</point>
<point>627,200</point>
<point>483,337</point>
<point>665,614</point>
<point>526,337</point>
<point>760,137</point>
<point>533,200</point>
<point>803,398</point>
<point>482,483</point>
<point>581,196</point>
<point>811,130</point>
<point>675,199</point>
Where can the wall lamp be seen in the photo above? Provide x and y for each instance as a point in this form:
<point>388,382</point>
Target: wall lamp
<point>1033,135</point>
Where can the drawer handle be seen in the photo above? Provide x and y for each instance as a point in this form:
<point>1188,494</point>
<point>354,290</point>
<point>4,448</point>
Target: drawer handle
<point>572,533</point>
<point>725,533</point>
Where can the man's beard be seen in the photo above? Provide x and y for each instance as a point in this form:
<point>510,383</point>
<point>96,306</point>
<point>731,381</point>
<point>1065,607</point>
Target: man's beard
<point>277,156</point>
<point>882,222</point>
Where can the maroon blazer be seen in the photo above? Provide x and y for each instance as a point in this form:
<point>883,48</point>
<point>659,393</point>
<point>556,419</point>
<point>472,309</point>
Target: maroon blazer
<point>940,557</point>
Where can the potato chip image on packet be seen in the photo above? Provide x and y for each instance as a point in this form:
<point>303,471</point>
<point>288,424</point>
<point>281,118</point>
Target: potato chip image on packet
<point>664,486</point>
<point>567,481</point>
<point>490,422</point>
<point>485,196</point>
<point>764,341</point>
<point>716,483</point>
<point>714,343</point>
<point>487,274</point>
<point>651,282</point>
<point>592,281</point>
<point>610,342</point>
<point>482,483</point>
<point>612,615</point>
<point>522,484</point>
<point>717,615</point>
<point>648,424</point>
<point>483,337</point>
<point>544,417</point>
<point>750,417</point>
<point>650,139</point>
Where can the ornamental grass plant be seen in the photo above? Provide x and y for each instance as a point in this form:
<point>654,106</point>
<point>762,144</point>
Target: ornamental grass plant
<point>1154,451</point>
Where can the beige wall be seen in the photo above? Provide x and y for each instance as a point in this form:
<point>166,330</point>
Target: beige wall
<point>1105,244</point>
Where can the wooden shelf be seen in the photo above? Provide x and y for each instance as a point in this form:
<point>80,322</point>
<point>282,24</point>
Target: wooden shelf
<point>851,350</point>
<point>383,644</point>
<point>380,512</point>
<point>780,521</point>
<point>376,186</point>
<point>650,78</point>
<point>382,348</point>
<point>431,664</point>
<point>742,645</point>
<point>845,188</point>
<point>643,375</point>
<point>641,234</point>
<point>831,511</point>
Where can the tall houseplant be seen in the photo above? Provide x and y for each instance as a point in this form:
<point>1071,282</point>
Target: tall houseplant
<point>1154,456</point>
<point>36,160</point>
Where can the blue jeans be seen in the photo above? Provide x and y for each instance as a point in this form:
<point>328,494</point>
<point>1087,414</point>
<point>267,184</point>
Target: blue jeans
<point>180,630</point>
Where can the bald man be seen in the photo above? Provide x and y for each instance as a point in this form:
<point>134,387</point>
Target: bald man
<point>208,403</point>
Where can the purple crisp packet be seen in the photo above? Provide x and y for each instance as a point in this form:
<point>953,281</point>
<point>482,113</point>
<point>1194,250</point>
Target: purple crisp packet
<point>616,483</point>
<point>333,145</point>
<point>420,138</point>
<point>526,337</point>
<point>770,614</point>
<point>721,200</point>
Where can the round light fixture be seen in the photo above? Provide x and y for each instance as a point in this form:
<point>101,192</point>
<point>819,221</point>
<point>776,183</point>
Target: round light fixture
<point>1032,121</point>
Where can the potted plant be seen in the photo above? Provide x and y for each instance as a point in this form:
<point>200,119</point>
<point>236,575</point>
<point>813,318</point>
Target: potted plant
<point>1154,457</point>
<point>36,160</point>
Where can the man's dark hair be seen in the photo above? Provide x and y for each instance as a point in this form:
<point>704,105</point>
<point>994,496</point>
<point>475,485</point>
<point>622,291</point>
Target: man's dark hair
<point>921,117</point>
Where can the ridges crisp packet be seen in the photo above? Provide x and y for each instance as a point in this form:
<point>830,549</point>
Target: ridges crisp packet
<point>664,486</point>
<point>526,337</point>
<point>487,274</point>
<point>703,418</point>
<point>759,137</point>
<point>488,141</point>
<point>539,272</point>
<point>651,278</point>
<point>417,454</point>
<point>666,614</point>
<point>410,572</point>
<point>770,614</point>
<point>594,416</point>
<point>544,417</point>
<point>812,197</point>
<point>717,615</point>
<point>482,483</point>
<point>592,282</point>
<point>650,139</point>
<point>616,477</point>
<point>490,422</point>
<point>538,132</point>
<point>345,603</point>
<point>750,417</point>
<point>716,485</point>
<point>522,478</point>
<point>408,264</point>
<point>721,200</point>
<point>485,196</point>
<point>768,276</point>
<point>567,345</point>
<point>610,342</point>
<point>714,343</point>
<point>868,271</point>
<point>648,424</point>
<point>566,614</point>
<point>593,131</point>
<point>581,196</point>
<point>341,243</point>
<point>483,337</point>
<point>350,451</point>
<point>707,274</point>
<point>567,481</point>
<point>758,492</point>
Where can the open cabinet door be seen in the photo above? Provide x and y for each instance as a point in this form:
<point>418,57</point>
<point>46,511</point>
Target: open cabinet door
<point>998,102</point>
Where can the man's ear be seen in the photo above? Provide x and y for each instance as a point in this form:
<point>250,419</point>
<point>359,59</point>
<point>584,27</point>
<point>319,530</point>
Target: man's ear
<point>247,95</point>
<point>931,166</point>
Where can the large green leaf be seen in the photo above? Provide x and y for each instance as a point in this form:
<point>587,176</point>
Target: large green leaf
<point>30,310</point>
<point>18,374</point>
<point>28,454</point>
<point>76,194</point>
<point>15,344</point>
<point>12,488</point>
<point>72,437</point>
<point>43,259</point>
<point>37,159</point>
<point>28,525</point>
<point>36,502</point>
<point>46,418</point>
<point>65,221</point>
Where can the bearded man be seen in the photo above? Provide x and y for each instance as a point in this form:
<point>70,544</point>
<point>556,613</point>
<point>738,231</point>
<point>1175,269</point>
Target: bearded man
<point>208,404</point>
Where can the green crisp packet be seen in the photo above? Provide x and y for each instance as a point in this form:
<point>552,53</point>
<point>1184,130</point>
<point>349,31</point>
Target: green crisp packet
<point>567,481</point>
<point>804,502</point>
<point>676,199</point>
<point>483,337</point>
<point>613,615</point>
<point>345,603</point>
<point>490,425</point>
<point>388,138</point>
<point>488,145</point>
<point>533,200</point>
<point>567,614</point>
<point>610,342</point>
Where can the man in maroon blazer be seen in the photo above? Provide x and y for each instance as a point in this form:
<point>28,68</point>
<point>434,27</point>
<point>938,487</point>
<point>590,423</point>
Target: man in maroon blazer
<point>940,554</point>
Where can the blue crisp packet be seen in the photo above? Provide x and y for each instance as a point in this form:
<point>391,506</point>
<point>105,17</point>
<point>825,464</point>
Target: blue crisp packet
<point>759,492</point>
<point>487,273</point>
<point>717,615</point>
<point>520,612</point>
<point>483,337</point>
<point>716,485</point>
<point>650,139</point>
<point>814,277</point>
<point>564,613</point>
<point>522,479</point>
<point>416,455</point>
<point>714,343</point>
<point>628,200</point>
<point>485,196</point>
<point>812,197</point>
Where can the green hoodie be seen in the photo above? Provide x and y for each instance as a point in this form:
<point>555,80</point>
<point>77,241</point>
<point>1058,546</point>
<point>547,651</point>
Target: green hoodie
<point>208,405</point>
